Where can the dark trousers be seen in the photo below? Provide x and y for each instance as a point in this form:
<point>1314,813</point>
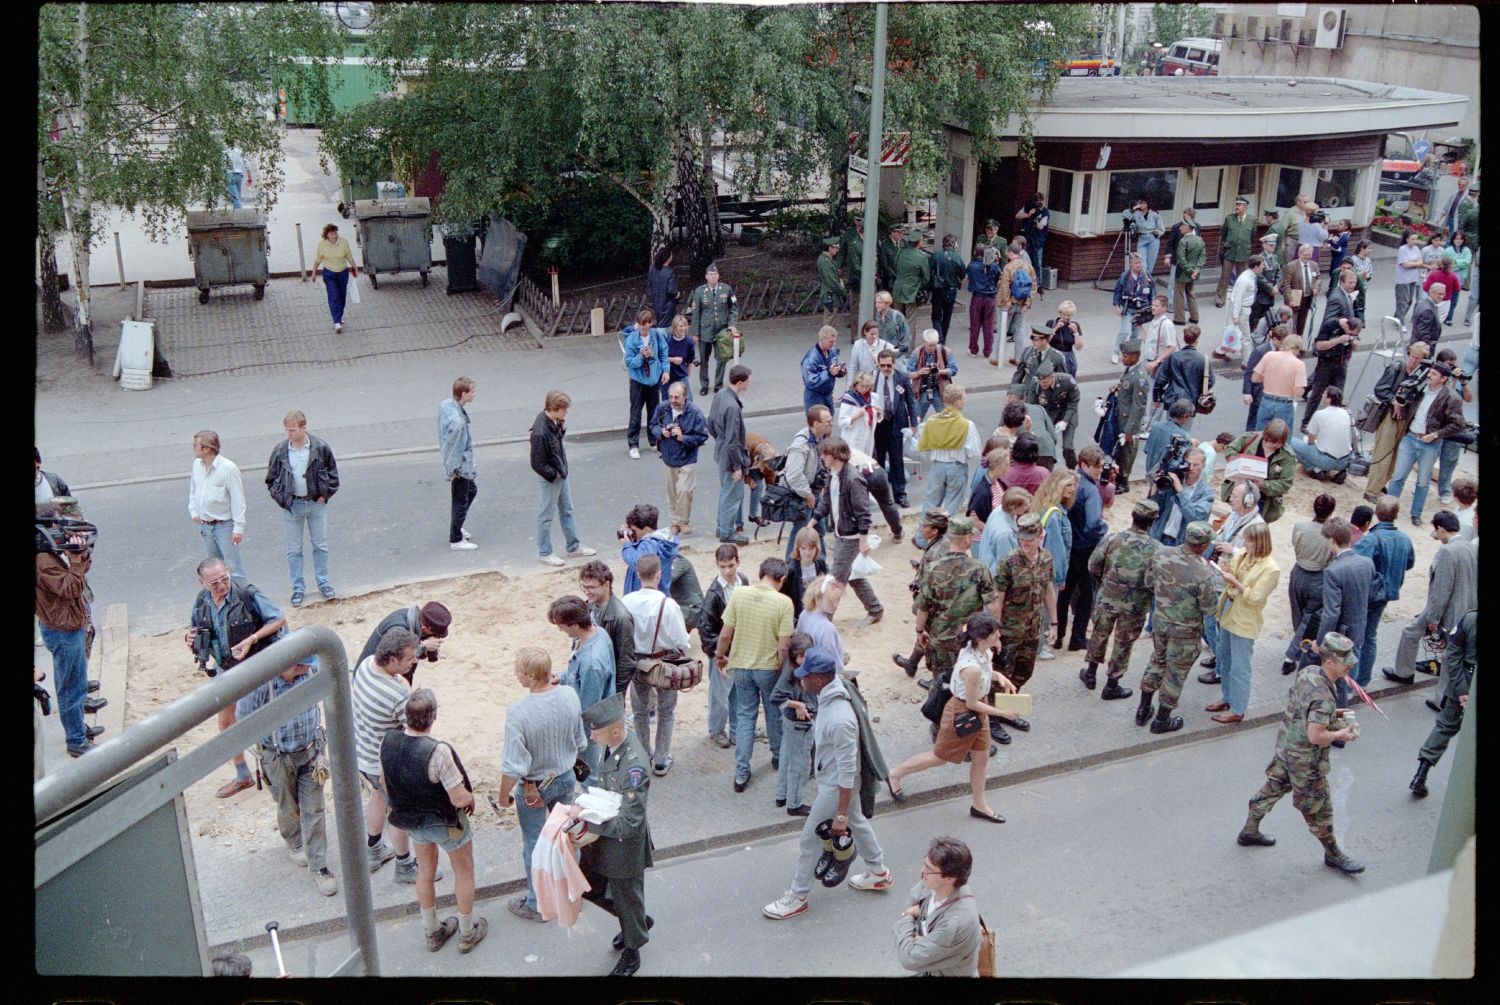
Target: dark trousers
<point>705,354</point>
<point>463,492</point>
<point>1078,595</point>
<point>889,455</point>
<point>1305,591</point>
<point>1450,716</point>
<point>1016,659</point>
<point>880,490</point>
<point>626,901</point>
<point>942,312</point>
<point>1254,413</point>
<point>1257,311</point>
<point>642,396</point>
<point>1325,375</point>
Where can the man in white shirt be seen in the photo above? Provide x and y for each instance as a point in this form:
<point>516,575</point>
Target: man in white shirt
<point>1329,443</point>
<point>659,629</point>
<point>1158,336</point>
<point>1237,310</point>
<point>216,502</point>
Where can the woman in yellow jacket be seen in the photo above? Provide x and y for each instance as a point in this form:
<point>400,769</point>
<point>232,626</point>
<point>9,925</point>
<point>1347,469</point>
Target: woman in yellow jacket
<point>335,259</point>
<point>1249,578</point>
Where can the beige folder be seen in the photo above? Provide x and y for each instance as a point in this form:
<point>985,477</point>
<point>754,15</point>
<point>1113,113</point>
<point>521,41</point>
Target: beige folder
<point>1017,703</point>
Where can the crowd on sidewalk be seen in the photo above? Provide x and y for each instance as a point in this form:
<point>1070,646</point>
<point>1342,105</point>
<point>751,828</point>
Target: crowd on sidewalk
<point>1017,564</point>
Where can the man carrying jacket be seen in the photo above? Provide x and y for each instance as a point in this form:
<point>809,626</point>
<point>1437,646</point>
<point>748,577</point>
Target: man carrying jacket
<point>301,477</point>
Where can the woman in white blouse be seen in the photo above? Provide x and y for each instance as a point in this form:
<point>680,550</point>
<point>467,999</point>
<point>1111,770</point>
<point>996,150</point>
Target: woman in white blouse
<point>858,413</point>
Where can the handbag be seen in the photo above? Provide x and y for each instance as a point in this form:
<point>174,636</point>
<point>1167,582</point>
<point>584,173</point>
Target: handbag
<point>937,697</point>
<point>669,671</point>
<point>966,723</point>
<point>1206,402</point>
<point>986,950</point>
<point>353,289</point>
<point>1371,414</point>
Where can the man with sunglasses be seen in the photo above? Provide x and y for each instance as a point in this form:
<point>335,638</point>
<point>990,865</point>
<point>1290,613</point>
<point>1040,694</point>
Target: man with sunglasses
<point>898,412</point>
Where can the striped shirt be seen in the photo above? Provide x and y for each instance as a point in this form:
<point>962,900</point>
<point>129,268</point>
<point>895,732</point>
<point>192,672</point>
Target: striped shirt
<point>760,617</point>
<point>379,705</point>
<point>544,735</point>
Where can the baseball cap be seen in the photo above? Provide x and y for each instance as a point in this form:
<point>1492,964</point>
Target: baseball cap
<point>1198,533</point>
<point>816,660</point>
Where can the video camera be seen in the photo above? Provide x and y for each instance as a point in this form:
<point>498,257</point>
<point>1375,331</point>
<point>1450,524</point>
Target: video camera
<point>1413,384</point>
<point>55,534</point>
<point>203,648</point>
<point>1318,217</point>
<point>1174,462</point>
<point>423,652</point>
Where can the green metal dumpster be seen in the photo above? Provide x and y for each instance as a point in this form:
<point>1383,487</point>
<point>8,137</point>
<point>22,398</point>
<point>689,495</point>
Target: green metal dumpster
<point>228,248</point>
<point>395,235</point>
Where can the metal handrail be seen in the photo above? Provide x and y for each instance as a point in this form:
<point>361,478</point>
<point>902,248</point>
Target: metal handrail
<point>79,779</point>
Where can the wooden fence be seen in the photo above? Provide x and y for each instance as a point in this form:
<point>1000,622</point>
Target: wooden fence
<point>770,299</point>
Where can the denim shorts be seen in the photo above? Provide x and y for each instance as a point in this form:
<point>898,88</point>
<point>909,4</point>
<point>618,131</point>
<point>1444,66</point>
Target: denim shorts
<point>449,839</point>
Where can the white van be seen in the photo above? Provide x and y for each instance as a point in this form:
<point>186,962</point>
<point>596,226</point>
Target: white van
<point>1192,57</point>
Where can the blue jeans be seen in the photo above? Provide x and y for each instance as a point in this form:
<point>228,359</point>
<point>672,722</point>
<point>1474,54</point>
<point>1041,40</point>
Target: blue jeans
<point>1274,407</point>
<point>1366,665</point>
<point>811,398</point>
<point>534,818</point>
<point>70,678</point>
<point>1234,653</point>
<point>1211,636</point>
<point>1413,452</point>
<point>796,761</point>
<point>1447,464</point>
<point>720,699</point>
<point>946,485</point>
<point>232,182</point>
<point>928,399</point>
<point>1314,459</point>
<point>1128,329</point>
<point>554,495</point>
<point>337,286</point>
<point>731,499</point>
<point>314,515</point>
<point>752,692</point>
<point>756,488</point>
<point>1149,248</point>
<point>218,542</point>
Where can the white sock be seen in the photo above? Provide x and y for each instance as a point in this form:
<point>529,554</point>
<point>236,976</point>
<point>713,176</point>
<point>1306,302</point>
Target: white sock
<point>465,922</point>
<point>429,918</point>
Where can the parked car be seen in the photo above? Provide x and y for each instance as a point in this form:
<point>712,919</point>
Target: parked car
<point>1097,65</point>
<point>1192,57</point>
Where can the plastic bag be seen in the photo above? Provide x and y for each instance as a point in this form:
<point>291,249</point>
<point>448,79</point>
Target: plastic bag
<point>353,290</point>
<point>863,567</point>
<point>1229,342</point>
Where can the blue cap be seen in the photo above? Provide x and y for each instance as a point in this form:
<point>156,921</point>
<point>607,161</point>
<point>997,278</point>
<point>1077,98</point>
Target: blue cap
<point>817,660</point>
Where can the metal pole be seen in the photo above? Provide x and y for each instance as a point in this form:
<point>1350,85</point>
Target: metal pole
<point>140,300</point>
<point>119,260</point>
<point>872,171</point>
<point>301,256</point>
<point>1120,37</point>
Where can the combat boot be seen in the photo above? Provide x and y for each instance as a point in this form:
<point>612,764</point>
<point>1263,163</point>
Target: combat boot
<point>908,665</point>
<point>1334,858</point>
<point>1089,675</point>
<point>1165,721</point>
<point>1112,690</point>
<point>1419,780</point>
<point>1143,711</point>
<point>1250,838</point>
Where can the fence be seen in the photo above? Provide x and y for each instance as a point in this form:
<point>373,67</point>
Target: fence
<point>770,299</point>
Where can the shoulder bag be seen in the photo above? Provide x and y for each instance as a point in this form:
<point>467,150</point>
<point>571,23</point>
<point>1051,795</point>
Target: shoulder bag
<point>669,671</point>
<point>1206,402</point>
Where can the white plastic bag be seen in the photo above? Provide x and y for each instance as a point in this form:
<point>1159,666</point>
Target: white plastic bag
<point>863,567</point>
<point>1229,342</point>
<point>353,290</point>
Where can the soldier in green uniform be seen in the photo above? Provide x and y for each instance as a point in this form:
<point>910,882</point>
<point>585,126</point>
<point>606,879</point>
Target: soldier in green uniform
<point>992,239</point>
<point>830,286</point>
<point>1300,764</point>
<point>1024,579</point>
<point>1460,657</point>
<point>1032,357</point>
<point>913,274</point>
<point>851,264</point>
<point>622,854</point>
<point>1186,589</point>
<point>954,586</point>
<point>885,257</point>
<point>1132,409</point>
<point>1057,392</point>
<point>1120,562</point>
<point>1234,246</point>
<point>934,530</point>
<point>712,308</point>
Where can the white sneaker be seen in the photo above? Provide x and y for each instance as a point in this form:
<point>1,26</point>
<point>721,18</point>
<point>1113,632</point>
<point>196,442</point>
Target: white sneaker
<point>464,546</point>
<point>789,906</point>
<point>297,855</point>
<point>338,326</point>
<point>546,559</point>
<point>326,882</point>
<point>635,453</point>
<point>582,551</point>
<point>1115,358</point>
<point>1046,654</point>
<point>465,532</point>
<point>872,880</point>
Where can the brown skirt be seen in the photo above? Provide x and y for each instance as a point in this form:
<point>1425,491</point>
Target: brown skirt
<point>950,746</point>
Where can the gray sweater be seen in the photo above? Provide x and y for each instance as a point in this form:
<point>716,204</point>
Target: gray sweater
<point>543,735</point>
<point>951,946</point>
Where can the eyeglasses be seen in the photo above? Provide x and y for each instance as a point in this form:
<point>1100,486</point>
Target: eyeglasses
<point>221,581</point>
<point>1039,338</point>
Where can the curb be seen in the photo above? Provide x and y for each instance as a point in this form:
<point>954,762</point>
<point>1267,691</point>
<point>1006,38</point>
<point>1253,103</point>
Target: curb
<point>782,829</point>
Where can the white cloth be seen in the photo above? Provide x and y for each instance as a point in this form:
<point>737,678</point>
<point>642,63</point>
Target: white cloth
<point>967,657</point>
<point>43,490</point>
<point>643,605</point>
<point>1419,420</point>
<point>1329,428</point>
<point>857,427</point>
<point>217,493</point>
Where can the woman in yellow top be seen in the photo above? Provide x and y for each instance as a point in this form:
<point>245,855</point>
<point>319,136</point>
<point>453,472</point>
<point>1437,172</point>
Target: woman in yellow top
<point>336,260</point>
<point>1249,578</point>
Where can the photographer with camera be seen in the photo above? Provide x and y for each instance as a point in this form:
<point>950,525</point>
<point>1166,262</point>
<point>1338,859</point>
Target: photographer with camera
<point>1132,299</point>
<point>680,429</point>
<point>803,471</point>
<point>1335,344</point>
<point>1147,226</point>
<point>1438,415</point>
<point>231,623</point>
<point>1399,388</point>
<point>429,623</point>
<point>64,554</point>
<point>1184,496</point>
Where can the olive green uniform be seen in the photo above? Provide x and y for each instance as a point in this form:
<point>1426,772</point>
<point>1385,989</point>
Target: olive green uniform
<point>913,274</point>
<point>621,856</point>
<point>1132,408</point>
<point>710,310</point>
<point>1186,591</point>
<point>1299,765</point>
<point>1031,358</point>
<point>830,287</point>
<point>1120,562</point>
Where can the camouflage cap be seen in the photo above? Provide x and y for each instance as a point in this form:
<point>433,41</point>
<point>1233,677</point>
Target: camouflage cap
<point>1146,509</point>
<point>605,712</point>
<point>960,525</point>
<point>1044,369</point>
<point>1198,533</point>
<point>1028,526</point>
<point>1130,345</point>
<point>1340,647</point>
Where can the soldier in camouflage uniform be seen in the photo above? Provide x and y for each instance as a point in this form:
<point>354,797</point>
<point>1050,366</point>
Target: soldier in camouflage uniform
<point>1120,563</point>
<point>1024,579</point>
<point>934,530</point>
<point>830,287</point>
<point>712,308</point>
<point>1186,589</point>
<point>955,586</point>
<point>1057,392</point>
<point>1300,764</point>
<point>1132,409</point>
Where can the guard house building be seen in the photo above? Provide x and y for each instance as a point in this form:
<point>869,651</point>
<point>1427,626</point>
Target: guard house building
<point>1183,142</point>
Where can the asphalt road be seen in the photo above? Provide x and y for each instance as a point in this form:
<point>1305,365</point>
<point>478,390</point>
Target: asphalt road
<point>1094,872</point>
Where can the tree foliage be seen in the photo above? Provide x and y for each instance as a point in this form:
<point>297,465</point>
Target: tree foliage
<point>137,103</point>
<point>1173,21</point>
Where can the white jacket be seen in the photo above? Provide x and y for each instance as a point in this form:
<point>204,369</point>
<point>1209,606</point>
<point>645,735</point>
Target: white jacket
<point>1241,299</point>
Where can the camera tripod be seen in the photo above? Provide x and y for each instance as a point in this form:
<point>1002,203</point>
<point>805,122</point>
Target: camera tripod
<point>1125,237</point>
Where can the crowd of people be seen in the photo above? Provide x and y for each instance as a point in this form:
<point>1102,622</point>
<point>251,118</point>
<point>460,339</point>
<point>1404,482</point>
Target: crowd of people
<point>1016,563</point>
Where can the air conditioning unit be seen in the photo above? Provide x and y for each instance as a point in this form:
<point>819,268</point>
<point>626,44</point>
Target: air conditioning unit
<point>1254,28</point>
<point>1221,25</point>
<point>1289,28</point>
<point>1332,22</point>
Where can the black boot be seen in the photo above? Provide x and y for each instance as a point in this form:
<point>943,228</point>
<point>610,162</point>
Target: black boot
<point>630,962</point>
<point>1288,667</point>
<point>1089,675</point>
<point>1250,836</point>
<point>1419,780</point>
<point>909,665</point>
<point>1165,721</point>
<point>1334,858</point>
<point>1143,711</point>
<point>1112,690</point>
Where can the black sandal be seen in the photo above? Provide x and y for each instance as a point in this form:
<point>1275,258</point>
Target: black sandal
<point>897,794</point>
